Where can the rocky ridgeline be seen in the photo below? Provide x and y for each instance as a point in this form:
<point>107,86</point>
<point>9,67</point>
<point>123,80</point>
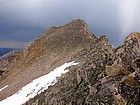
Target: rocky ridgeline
<point>105,75</point>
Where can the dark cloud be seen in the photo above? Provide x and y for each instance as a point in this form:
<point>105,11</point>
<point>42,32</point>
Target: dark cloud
<point>24,20</point>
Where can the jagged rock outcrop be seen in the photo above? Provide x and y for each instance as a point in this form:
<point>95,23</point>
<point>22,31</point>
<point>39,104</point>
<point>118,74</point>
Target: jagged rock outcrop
<point>128,52</point>
<point>105,75</point>
<point>127,90</point>
<point>103,78</point>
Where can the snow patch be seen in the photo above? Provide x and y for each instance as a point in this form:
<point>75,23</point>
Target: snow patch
<point>3,88</point>
<point>36,86</point>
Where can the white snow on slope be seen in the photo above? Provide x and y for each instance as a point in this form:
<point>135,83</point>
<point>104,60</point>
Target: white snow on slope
<point>3,88</point>
<point>36,86</point>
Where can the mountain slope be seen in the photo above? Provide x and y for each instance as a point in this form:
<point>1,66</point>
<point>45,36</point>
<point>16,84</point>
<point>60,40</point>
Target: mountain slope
<point>106,76</point>
<point>80,84</point>
<point>37,86</point>
<point>51,50</point>
<point>6,59</point>
<point>102,75</point>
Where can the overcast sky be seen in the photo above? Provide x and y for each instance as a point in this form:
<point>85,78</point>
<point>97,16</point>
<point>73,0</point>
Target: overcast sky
<point>22,21</point>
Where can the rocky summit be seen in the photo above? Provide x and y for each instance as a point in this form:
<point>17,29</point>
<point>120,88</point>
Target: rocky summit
<point>96,73</point>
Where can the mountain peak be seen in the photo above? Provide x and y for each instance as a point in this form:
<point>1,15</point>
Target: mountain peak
<point>78,22</point>
<point>52,49</point>
<point>73,23</point>
<point>75,33</point>
<point>69,65</point>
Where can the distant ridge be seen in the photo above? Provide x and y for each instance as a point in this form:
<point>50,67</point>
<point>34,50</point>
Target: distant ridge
<point>5,50</point>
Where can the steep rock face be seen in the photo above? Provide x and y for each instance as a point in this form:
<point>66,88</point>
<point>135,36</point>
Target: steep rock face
<point>52,49</point>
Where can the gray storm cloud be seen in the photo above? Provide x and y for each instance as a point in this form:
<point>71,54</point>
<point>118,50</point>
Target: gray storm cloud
<point>23,20</point>
<point>129,16</point>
